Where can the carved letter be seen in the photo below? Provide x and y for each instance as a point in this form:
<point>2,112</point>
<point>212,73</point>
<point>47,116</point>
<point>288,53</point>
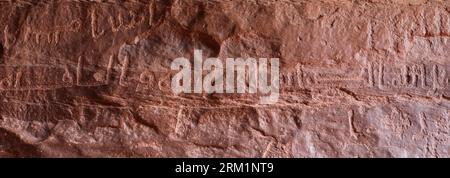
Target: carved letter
<point>116,26</point>
<point>109,70</point>
<point>123,72</point>
<point>18,78</point>
<point>145,80</point>
<point>67,77</point>
<point>438,77</point>
<point>381,76</point>
<point>95,33</point>
<point>79,70</point>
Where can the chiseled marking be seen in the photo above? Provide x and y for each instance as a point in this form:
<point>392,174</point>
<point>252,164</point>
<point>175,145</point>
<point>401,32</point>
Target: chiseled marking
<point>123,72</point>
<point>95,34</point>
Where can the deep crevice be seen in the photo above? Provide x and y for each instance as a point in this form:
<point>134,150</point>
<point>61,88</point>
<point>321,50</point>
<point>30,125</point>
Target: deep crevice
<point>14,144</point>
<point>209,42</point>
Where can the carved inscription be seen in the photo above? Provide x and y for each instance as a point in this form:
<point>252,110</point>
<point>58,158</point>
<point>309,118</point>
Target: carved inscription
<point>425,78</point>
<point>53,35</point>
<point>122,22</point>
<point>418,76</point>
<point>30,78</point>
<point>114,72</point>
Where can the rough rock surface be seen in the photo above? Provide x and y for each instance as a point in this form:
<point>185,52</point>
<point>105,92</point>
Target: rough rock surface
<point>366,78</point>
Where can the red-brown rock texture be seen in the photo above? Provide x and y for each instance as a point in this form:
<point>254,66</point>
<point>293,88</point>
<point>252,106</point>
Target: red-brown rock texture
<point>366,78</point>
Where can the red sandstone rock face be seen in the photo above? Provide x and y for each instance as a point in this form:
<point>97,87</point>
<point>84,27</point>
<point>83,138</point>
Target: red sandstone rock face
<point>92,79</point>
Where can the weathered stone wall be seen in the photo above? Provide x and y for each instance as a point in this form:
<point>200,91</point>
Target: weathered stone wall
<point>366,78</point>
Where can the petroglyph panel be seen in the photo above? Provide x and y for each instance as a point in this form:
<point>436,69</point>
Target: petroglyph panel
<point>93,78</point>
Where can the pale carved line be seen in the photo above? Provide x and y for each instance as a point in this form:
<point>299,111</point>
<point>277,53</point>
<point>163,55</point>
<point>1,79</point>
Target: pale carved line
<point>268,147</point>
<point>352,129</point>
<point>179,116</point>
